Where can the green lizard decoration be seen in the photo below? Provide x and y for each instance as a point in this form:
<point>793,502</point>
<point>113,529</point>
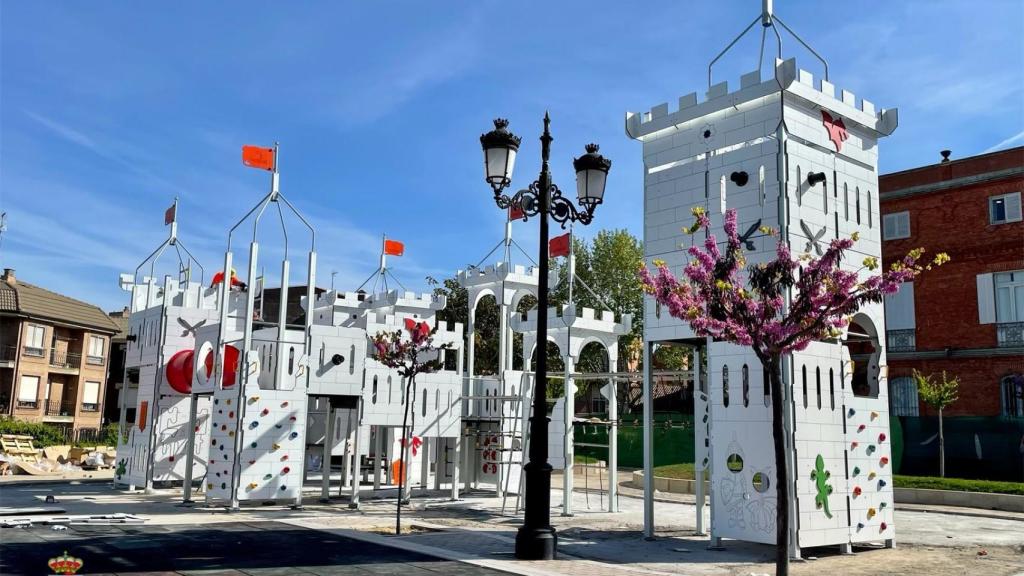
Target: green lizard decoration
<point>820,476</point>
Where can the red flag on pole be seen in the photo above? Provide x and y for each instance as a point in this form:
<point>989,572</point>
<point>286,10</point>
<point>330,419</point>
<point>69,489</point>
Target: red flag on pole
<point>515,213</point>
<point>258,157</point>
<point>171,214</point>
<point>393,248</point>
<point>559,246</point>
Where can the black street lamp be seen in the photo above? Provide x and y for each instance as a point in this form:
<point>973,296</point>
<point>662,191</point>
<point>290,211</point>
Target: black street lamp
<point>536,539</point>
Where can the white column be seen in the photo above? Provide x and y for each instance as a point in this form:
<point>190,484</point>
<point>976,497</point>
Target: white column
<point>190,448</point>
<point>648,399</point>
<point>346,458</point>
<point>357,468</point>
<point>456,466</point>
<point>567,447</point>
<point>325,480</point>
<point>695,370</point>
<point>613,437</point>
<point>424,464</point>
<point>378,456</point>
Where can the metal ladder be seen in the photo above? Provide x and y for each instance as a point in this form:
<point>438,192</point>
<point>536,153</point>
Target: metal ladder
<point>524,401</point>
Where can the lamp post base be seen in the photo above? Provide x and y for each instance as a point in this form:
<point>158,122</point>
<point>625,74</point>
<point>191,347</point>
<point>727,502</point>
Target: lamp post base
<point>536,543</point>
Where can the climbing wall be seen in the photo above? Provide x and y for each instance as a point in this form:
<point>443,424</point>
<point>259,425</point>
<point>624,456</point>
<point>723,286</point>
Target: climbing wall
<point>820,454</point>
<point>271,446</point>
<point>870,464</point>
<point>172,438</point>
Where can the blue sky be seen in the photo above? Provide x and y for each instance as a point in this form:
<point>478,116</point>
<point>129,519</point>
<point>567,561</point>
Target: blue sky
<point>108,110</point>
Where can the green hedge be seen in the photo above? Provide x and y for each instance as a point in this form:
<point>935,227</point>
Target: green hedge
<point>959,484</point>
<point>44,435</point>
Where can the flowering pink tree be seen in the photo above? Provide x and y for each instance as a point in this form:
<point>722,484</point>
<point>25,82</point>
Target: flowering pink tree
<point>774,308</point>
<point>410,356</point>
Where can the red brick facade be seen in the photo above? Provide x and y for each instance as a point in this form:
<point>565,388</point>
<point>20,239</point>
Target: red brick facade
<point>948,204</point>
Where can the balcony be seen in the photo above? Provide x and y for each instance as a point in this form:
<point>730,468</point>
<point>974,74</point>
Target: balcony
<point>60,408</point>
<point>1010,334</point>
<point>64,360</point>
<point>901,340</point>
<point>28,404</point>
<point>8,354</point>
<point>90,407</point>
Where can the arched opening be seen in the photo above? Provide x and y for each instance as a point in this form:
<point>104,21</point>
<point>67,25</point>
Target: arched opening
<point>556,368</point>
<point>487,336</point>
<point>589,397</point>
<point>862,344</point>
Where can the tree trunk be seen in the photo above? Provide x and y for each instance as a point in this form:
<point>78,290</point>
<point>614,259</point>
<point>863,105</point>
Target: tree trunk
<point>403,457</point>
<point>942,449</point>
<point>781,472</point>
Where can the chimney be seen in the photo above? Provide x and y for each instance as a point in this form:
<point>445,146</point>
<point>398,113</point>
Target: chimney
<point>9,276</point>
<point>945,156</point>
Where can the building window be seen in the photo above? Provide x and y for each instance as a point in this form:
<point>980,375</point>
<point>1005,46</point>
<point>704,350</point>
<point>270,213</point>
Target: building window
<point>1004,208</point>
<point>846,202</point>
<point>903,397</point>
<point>896,226</point>
<point>900,322</point>
<point>1009,304</point>
<point>746,386</point>
<point>28,392</point>
<point>34,340</point>
<point>858,204</point>
<point>871,219</point>
<point>96,349</point>
<point>91,397</point>
<point>1012,391</point>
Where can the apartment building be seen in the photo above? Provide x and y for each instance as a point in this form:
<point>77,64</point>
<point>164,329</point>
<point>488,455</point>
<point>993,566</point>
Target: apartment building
<point>967,317</point>
<point>54,355</point>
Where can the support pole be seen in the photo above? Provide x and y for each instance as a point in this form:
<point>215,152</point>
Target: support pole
<point>568,438</point>
<point>424,465</point>
<point>378,454</point>
<point>700,471</point>
<point>648,444</point>
<point>613,438</point>
<point>357,467</point>
<point>190,448</point>
<point>325,480</point>
<point>456,465</point>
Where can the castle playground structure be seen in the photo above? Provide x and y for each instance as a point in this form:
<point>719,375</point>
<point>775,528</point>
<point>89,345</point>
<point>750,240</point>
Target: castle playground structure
<point>792,152</point>
<point>250,408</point>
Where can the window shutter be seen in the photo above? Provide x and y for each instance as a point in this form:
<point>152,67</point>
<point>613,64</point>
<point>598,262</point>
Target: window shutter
<point>1012,207</point>
<point>29,389</point>
<point>986,299</point>
<point>91,394</point>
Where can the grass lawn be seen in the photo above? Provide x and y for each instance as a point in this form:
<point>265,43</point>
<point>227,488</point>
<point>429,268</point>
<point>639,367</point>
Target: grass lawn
<point>685,471</point>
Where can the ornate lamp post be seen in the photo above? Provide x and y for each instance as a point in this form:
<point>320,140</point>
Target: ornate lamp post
<point>536,539</point>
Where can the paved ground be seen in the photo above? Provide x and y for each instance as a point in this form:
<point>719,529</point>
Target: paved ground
<point>259,548</point>
<point>592,543</point>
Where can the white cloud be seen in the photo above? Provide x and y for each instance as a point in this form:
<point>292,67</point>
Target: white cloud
<point>1016,138</point>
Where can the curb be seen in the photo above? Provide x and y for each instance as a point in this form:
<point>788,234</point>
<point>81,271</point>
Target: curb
<point>68,481</point>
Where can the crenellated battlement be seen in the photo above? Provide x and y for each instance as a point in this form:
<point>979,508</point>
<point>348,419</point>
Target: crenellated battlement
<point>787,78</point>
<point>499,272</point>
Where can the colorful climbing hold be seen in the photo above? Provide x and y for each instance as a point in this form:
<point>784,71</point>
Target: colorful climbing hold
<point>861,427</point>
<point>871,449</point>
<point>292,418</point>
<point>252,486</point>
<point>284,404</point>
<point>853,445</point>
<point>253,444</point>
<point>231,414</point>
<point>882,527</point>
<point>293,435</point>
<point>253,424</point>
<point>197,428</point>
<point>874,415</point>
<point>871,513</point>
<point>209,486</point>
<point>251,462</point>
<point>856,491</point>
<point>276,445</point>
<point>268,476</point>
<point>285,470</point>
<point>283,488</point>
<point>277,425</point>
<point>860,525</point>
<point>228,401</point>
<point>213,441</point>
<point>283,458</point>
<point>170,458</point>
<point>852,412</point>
<point>231,433</point>
<point>882,506</point>
<point>223,426</point>
<point>856,470</point>
<point>265,412</point>
<point>881,483</point>
<point>871,475</point>
<point>883,460</point>
<point>881,437</point>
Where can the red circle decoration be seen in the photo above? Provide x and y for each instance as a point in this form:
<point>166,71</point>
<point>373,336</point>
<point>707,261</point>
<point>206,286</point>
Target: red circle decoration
<point>179,371</point>
<point>230,364</point>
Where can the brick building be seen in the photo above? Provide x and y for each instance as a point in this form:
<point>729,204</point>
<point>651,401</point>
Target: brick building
<point>54,352</point>
<point>967,317</point>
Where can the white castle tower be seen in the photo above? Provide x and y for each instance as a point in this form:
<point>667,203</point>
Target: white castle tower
<point>791,152</point>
